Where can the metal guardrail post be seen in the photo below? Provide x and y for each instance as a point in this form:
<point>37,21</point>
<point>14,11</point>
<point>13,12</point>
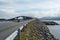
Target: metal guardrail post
<point>18,34</point>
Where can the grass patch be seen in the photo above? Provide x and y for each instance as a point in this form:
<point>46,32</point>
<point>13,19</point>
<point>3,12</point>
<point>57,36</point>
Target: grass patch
<point>25,32</point>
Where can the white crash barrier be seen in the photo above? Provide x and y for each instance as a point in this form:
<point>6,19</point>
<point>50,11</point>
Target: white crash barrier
<point>14,34</point>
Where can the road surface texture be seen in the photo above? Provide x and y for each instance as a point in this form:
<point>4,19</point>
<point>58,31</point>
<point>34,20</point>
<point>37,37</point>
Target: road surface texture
<point>7,28</point>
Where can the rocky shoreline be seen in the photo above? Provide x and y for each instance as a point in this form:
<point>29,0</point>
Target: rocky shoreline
<point>36,30</point>
<point>43,31</point>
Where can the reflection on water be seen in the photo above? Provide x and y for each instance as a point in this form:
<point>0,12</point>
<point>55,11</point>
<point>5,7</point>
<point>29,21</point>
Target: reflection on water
<point>55,30</point>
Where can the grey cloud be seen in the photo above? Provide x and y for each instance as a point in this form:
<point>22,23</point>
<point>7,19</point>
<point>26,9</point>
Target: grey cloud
<point>7,15</point>
<point>30,5</point>
<point>3,3</point>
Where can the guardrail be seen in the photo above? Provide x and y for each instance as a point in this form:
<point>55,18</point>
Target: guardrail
<point>15,33</point>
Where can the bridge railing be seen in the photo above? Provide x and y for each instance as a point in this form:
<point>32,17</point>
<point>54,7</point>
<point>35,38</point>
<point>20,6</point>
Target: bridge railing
<point>17,32</point>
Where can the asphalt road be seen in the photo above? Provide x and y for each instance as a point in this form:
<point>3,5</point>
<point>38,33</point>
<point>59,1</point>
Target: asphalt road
<point>7,28</point>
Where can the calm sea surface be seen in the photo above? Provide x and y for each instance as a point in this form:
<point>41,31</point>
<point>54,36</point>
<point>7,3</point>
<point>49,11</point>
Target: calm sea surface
<point>55,29</point>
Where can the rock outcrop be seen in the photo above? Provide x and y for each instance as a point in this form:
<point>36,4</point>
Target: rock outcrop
<point>50,23</point>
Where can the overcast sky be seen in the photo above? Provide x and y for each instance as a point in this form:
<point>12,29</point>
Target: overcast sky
<point>35,8</point>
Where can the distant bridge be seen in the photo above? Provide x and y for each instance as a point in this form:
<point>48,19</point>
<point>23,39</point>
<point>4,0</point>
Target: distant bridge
<point>23,17</point>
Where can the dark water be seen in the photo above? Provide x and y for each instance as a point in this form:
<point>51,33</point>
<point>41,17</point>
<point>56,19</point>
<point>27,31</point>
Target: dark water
<point>55,30</point>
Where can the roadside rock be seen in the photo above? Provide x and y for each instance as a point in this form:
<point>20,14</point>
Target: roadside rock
<point>36,30</point>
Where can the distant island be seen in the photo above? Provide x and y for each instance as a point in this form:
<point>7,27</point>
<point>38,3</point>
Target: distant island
<point>50,18</point>
<point>50,23</point>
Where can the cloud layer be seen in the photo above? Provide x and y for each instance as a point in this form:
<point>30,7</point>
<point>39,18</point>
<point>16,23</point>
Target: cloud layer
<point>35,8</point>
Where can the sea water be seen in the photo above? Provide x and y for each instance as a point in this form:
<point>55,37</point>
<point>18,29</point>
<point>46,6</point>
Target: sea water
<point>55,29</point>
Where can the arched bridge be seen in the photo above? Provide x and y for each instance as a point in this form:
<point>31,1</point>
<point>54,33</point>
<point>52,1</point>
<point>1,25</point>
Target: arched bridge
<point>21,17</point>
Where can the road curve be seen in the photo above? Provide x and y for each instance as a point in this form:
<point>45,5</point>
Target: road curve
<point>7,28</point>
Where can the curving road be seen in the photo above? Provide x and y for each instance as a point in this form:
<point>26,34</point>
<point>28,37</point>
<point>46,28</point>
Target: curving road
<point>7,28</point>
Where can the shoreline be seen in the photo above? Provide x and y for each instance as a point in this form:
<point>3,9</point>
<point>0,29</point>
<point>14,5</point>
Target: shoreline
<point>50,23</point>
<point>36,30</point>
